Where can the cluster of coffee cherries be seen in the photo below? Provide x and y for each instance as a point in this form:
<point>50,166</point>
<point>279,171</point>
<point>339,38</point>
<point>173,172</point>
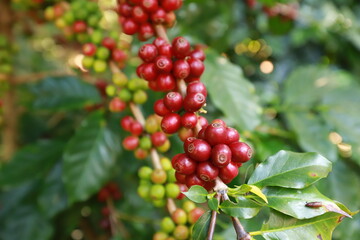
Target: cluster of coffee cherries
<point>158,184</point>
<point>139,16</point>
<point>143,138</point>
<point>125,92</point>
<point>215,152</point>
<point>80,20</point>
<point>6,53</point>
<point>109,191</point>
<point>177,227</point>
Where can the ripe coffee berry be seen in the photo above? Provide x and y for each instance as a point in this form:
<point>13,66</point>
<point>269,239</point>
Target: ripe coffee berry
<point>171,5</point>
<point>89,49</point>
<point>183,164</point>
<point>193,179</point>
<point>163,64</point>
<point>198,54</point>
<point>118,55</point>
<point>196,67</point>
<point>165,50</point>
<point>220,155</point>
<point>158,139</point>
<point>148,52</point>
<point>150,5</point>
<point>185,133</point>
<point>160,108</point>
<point>136,128</point>
<point>196,87</point>
<point>188,141</point>
<point>241,152</point>
<point>203,121</point>
<point>173,101</point>
<point>171,123</point>
<point>232,135</point>
<point>159,42</point>
<point>139,15</point>
<point>159,16</point>
<point>194,101</point>
<point>228,173</point>
<point>189,120</point>
<point>79,27</point>
<point>181,69</point>
<point>125,9</point>
<point>131,143</point>
<point>129,26</point>
<point>206,171</point>
<point>146,31</point>
<point>215,133</point>
<point>180,178</point>
<point>165,82</point>
<point>181,47</point>
<point>148,71</point>
<point>109,43</point>
<point>199,150</point>
<point>126,123</point>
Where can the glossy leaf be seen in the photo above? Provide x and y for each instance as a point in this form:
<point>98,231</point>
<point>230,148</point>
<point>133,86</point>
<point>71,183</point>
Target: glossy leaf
<point>293,202</point>
<point>197,194</point>
<point>89,158</point>
<point>290,169</point>
<point>201,227</point>
<point>244,208</point>
<point>63,93</point>
<point>213,204</point>
<point>226,83</point>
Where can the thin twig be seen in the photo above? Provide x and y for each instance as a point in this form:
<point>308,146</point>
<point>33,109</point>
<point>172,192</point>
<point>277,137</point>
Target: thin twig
<point>211,230</point>
<point>161,32</point>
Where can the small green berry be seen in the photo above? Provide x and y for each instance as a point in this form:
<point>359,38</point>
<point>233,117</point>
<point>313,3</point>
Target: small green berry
<point>125,95</point>
<point>172,190</point>
<point>145,172</point>
<point>145,143</point>
<point>157,191</point>
<point>167,225</point>
<point>140,97</point>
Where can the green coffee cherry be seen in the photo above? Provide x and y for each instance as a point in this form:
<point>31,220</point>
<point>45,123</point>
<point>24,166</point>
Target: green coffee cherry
<point>165,147</point>
<point>179,216</point>
<point>88,62</point>
<point>188,206</point>
<point>110,90</point>
<point>157,191</point>
<point>125,95</point>
<point>99,66</point>
<point>167,225</point>
<point>171,175</point>
<point>159,202</point>
<point>140,97</point>
<point>172,190</point>
<point>158,176</point>
<point>145,143</point>
<point>69,17</point>
<point>166,163</point>
<point>160,236</point>
<point>151,124</point>
<point>102,53</point>
<point>119,79</point>
<point>96,37</point>
<point>145,173</point>
<point>144,191</point>
<point>181,232</point>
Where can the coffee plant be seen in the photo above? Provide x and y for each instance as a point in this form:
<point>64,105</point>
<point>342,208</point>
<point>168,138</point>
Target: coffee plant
<point>177,120</point>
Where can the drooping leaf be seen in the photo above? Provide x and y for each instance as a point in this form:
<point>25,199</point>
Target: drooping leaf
<point>282,227</point>
<point>246,188</point>
<point>63,93</point>
<point>290,169</point>
<point>244,208</point>
<point>226,84</point>
<point>293,202</point>
<point>201,227</point>
<point>30,162</point>
<point>89,157</point>
<point>197,194</point>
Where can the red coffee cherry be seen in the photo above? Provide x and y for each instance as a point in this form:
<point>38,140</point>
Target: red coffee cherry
<point>130,27</point>
<point>196,67</point>
<point>181,47</point>
<point>159,16</point>
<point>180,178</point>
<point>109,43</point>
<point>199,150</point>
<point>241,152</point>
<point>206,171</point>
<point>173,101</point>
<point>220,155</point>
<point>118,55</point>
<point>140,153</point>
<point>160,108</point>
<point>170,19</point>
<point>219,121</point>
<point>130,143</point>
<point>146,31</point>
<point>150,5</point>
<point>209,185</point>
<point>194,101</point>
<point>159,42</point>
<point>148,72</point>
<point>185,133</point>
<point>126,123</point>
<point>158,139</point>
<point>148,52</point>
<point>198,54</point>
<point>171,5</point>
<point>232,135</point>
<point>165,50</point>
<point>183,164</point>
<point>193,179</point>
<point>190,79</point>
<point>171,123</point>
<point>183,188</point>
<point>201,133</point>
<point>163,64</point>
<point>117,105</point>
<point>189,120</point>
<point>139,15</point>
<point>89,49</point>
<point>165,82</point>
<point>125,9</point>
<point>188,141</point>
<point>181,69</point>
<point>79,26</point>
<point>203,121</point>
<point>228,173</point>
<point>136,128</point>
<point>196,87</point>
<point>215,133</point>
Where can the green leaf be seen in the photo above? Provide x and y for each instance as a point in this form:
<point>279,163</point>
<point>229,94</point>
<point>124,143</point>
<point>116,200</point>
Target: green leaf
<point>244,208</point>
<point>201,227</point>
<point>246,188</point>
<point>281,227</point>
<point>89,157</point>
<point>213,204</point>
<point>197,194</point>
<point>226,84</point>
<point>290,169</point>
<point>293,202</point>
<point>30,162</point>
<point>63,93</point>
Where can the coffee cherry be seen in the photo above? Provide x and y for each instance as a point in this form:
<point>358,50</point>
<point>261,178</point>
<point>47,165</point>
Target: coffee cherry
<point>198,54</point>
<point>228,173</point>
<point>215,133</point>
<point>145,143</point>
<point>171,123</point>
<point>140,97</point>
<point>152,124</point>
<point>165,50</point>
<point>203,122</point>
<point>190,79</point>
<point>160,108</point>
<point>196,87</point>
<point>105,211</point>
<point>167,225</point>
<point>241,152</point>
<point>109,43</point>
<point>189,120</point>
<point>125,9</point>
<point>158,139</point>
<point>181,69</point>
<point>159,42</point>
<point>188,141</point>
<point>165,82</point>
<point>96,37</point>
<point>195,214</point>
<point>125,95</point>
<point>126,123</point>
<point>188,206</point>
<point>181,232</point>
<point>79,27</point>
<point>140,153</point>
<point>173,101</point>
<point>145,172</point>
<point>183,188</point>
<point>159,16</point>
<point>118,55</point>
<point>150,5</point>
<point>180,178</point>
<point>171,5</point>
<point>196,67</point>
<point>102,53</point>
<point>232,135</point>
<point>136,128</point>
<point>193,179</point>
<point>105,223</point>
<point>130,143</point>
<point>180,47</point>
<point>198,150</point>
<point>148,71</point>
<point>172,190</point>
<point>160,236</point>
<point>183,164</point>
<point>87,62</point>
<point>206,171</point>
<point>99,66</point>
<point>117,105</point>
<point>158,176</point>
<point>220,155</point>
<point>144,191</point>
<point>157,191</point>
<point>89,49</point>
<point>129,26</point>
<point>170,19</point>
<point>146,31</point>
<point>139,15</point>
<point>163,64</point>
<point>148,52</point>
<point>158,202</point>
<point>179,216</point>
<point>103,195</point>
<point>194,101</point>
<point>185,133</point>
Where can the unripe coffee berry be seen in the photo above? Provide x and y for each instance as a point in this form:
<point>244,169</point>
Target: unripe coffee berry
<point>185,133</point>
<point>173,101</point>
<point>140,153</point>
<point>145,143</point>
<point>145,172</point>
<point>157,191</point>
<point>206,171</point>
<point>179,216</point>
<point>199,150</point>
<point>171,123</point>
<point>158,176</point>
<point>241,152</point>
<point>220,155</point>
<point>167,225</point>
<point>181,232</point>
<point>172,190</point>
<point>183,164</point>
